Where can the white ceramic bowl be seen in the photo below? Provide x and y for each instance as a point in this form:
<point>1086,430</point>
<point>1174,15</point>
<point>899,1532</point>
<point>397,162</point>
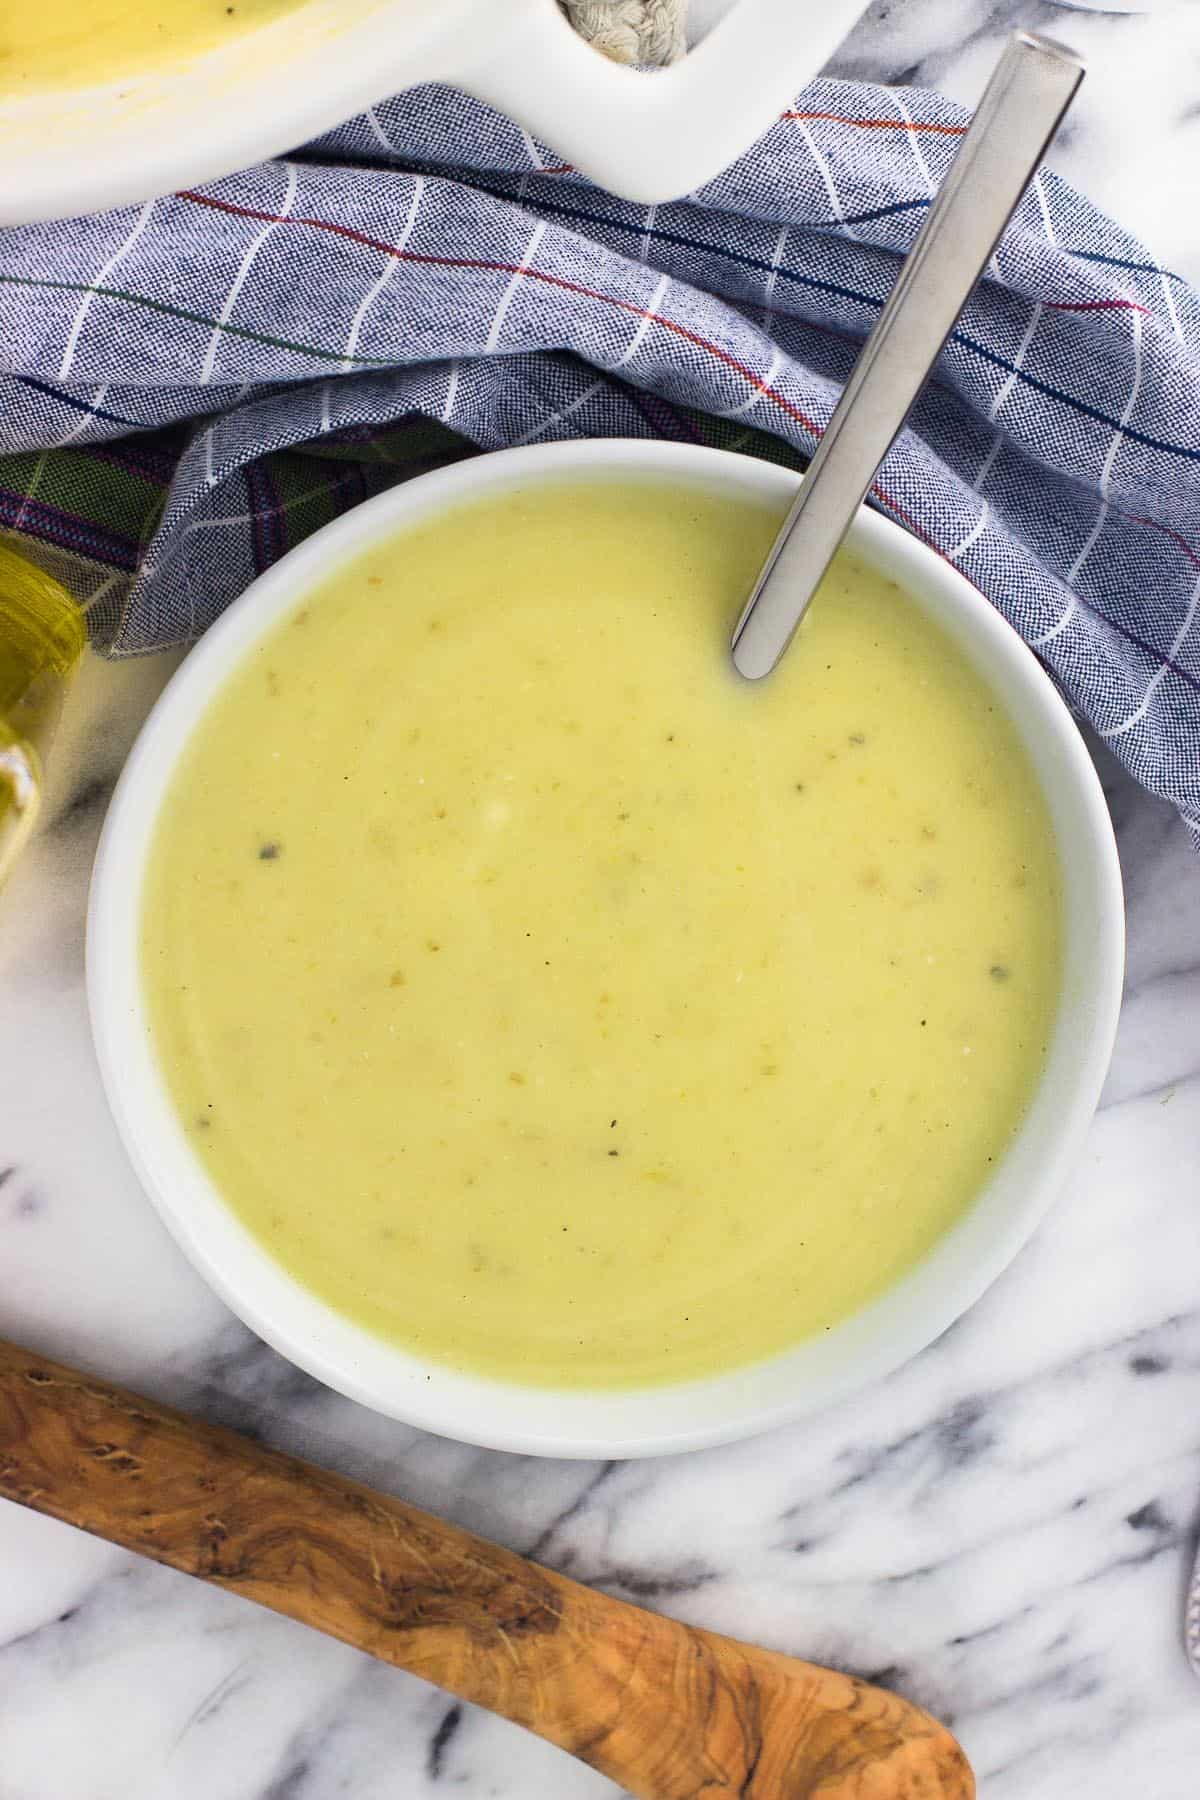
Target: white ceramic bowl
<point>648,137</point>
<point>661,1419</point>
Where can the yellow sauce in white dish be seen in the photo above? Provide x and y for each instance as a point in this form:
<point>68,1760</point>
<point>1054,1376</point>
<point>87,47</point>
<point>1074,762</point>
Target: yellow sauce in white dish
<point>75,43</point>
<point>564,1009</point>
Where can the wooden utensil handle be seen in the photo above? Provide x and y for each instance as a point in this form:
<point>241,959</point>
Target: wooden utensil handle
<point>668,1711</point>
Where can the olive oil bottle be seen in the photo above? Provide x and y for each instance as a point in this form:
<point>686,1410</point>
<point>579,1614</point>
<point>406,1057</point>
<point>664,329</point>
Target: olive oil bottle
<point>42,636</point>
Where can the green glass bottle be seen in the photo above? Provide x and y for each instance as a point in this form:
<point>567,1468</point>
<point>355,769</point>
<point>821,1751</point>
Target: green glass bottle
<point>42,635</point>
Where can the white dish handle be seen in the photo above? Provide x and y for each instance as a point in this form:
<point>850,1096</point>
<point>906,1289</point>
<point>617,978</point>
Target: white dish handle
<point>652,137</point>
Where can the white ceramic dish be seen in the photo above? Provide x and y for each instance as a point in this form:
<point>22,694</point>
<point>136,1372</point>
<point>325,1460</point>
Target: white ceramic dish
<point>648,137</point>
<point>644,1422</point>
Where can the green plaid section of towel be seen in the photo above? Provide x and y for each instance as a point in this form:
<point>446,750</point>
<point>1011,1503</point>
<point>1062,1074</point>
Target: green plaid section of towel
<point>90,515</point>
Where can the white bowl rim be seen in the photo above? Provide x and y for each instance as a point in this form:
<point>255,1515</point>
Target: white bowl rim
<point>690,1415</point>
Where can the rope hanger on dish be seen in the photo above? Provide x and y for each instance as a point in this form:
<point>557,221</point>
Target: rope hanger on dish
<point>632,31</point>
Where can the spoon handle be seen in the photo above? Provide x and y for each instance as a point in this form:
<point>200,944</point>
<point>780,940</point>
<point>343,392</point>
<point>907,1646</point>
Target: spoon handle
<point>1022,106</point>
<point>666,1710</point>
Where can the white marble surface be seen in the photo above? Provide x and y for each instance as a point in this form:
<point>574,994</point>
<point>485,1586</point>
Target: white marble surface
<point>1002,1530</point>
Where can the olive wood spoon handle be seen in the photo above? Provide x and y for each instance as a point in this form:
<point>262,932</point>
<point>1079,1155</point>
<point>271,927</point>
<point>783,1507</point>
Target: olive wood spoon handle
<point>668,1711</point>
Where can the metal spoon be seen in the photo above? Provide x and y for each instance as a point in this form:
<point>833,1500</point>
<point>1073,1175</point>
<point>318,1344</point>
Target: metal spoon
<point>1022,106</point>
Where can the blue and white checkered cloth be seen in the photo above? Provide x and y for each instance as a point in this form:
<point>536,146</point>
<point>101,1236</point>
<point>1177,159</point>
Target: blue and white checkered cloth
<point>430,259</point>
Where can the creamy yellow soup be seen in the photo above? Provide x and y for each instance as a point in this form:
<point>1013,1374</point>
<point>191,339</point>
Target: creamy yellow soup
<point>561,1007</point>
<point>73,43</point>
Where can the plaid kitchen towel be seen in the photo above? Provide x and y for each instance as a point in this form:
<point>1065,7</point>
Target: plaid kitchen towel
<point>193,385</point>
